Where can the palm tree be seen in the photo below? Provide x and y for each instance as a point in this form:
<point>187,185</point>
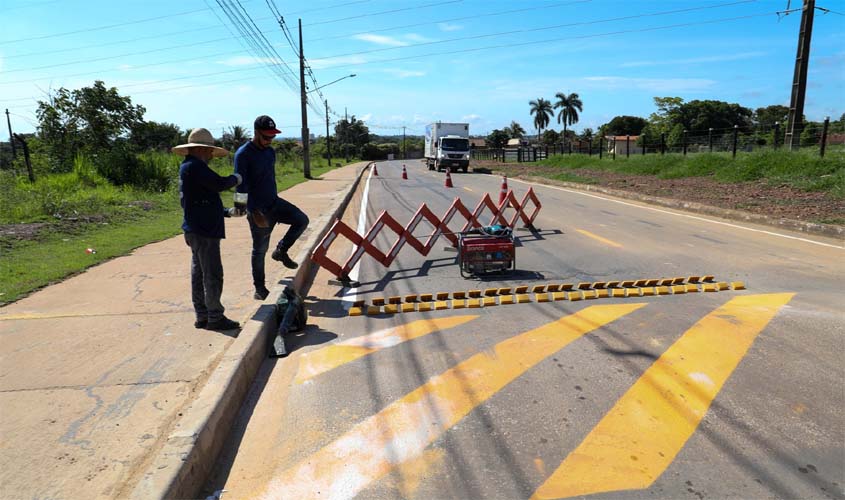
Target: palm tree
<point>570,106</point>
<point>542,111</point>
<point>515,130</point>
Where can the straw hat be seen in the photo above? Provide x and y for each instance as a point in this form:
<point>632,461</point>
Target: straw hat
<point>199,138</point>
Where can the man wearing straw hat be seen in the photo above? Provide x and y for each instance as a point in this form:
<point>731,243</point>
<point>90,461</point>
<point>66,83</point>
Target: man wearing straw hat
<point>199,193</point>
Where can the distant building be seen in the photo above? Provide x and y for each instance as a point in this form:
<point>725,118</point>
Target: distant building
<point>477,142</point>
<point>516,143</point>
<point>621,143</point>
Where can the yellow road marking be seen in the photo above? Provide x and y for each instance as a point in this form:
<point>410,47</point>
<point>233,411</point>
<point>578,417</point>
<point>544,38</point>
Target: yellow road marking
<point>328,358</point>
<point>468,189</point>
<point>640,436</point>
<point>599,238</point>
<point>402,431</point>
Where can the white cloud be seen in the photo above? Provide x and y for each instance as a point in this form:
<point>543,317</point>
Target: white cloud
<point>449,27</point>
<point>380,40</point>
<point>329,62</point>
<point>404,73</point>
<point>695,60</point>
<point>366,117</point>
<point>125,67</point>
<point>470,118</point>
<point>650,84</point>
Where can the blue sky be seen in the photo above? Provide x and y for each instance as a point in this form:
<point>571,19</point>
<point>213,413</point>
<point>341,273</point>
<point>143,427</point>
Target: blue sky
<point>416,61</point>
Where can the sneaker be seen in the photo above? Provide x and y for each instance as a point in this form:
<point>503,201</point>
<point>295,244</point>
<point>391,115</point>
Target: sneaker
<point>200,323</point>
<point>261,293</point>
<point>282,256</point>
<point>222,324</point>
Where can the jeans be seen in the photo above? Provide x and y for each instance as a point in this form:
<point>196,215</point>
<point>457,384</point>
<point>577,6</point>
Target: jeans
<point>282,212</point>
<point>206,276</point>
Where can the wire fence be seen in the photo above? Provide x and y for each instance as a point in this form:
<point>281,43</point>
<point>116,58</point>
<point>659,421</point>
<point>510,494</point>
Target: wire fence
<point>725,140</point>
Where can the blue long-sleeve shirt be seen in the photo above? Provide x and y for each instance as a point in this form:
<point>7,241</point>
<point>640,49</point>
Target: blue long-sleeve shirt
<point>257,167</point>
<point>199,193</point>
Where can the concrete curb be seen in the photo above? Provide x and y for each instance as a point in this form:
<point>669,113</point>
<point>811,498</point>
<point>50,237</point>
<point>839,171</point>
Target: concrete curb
<point>183,465</point>
<point>829,230</point>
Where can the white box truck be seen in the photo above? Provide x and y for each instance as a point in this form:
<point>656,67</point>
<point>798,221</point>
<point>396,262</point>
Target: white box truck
<point>447,145</point>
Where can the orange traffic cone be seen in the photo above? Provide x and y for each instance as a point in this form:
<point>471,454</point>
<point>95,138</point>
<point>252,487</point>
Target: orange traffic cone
<point>448,178</point>
<point>404,173</point>
<point>375,170</point>
<point>504,192</point>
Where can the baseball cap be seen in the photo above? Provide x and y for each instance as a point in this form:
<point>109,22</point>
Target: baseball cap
<point>266,124</point>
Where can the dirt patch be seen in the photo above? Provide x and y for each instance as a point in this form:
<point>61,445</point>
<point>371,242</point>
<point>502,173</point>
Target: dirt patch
<point>761,198</point>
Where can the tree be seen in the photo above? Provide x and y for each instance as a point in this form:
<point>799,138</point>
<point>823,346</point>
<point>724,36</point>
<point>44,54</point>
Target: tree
<point>351,135</point>
<point>515,130</point>
<point>569,106</point>
<point>233,138</point>
<point>765,118</point>
<point>550,137</point>
<point>625,125</point>
<point>542,111</point>
<point>497,139</point>
<point>587,134</point>
<point>719,115</point>
<point>153,135</point>
<point>89,119</point>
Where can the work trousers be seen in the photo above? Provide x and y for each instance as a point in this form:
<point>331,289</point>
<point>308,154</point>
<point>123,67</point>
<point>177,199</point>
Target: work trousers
<point>206,276</point>
<point>282,212</point>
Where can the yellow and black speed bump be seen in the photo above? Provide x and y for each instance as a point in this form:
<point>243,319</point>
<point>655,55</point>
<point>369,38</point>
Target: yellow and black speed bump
<point>542,293</point>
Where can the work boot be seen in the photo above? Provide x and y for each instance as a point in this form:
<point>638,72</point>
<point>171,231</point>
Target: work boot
<point>282,256</point>
<point>200,323</point>
<point>261,293</point>
<point>223,324</point>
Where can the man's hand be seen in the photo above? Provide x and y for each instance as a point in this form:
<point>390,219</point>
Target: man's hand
<point>235,212</point>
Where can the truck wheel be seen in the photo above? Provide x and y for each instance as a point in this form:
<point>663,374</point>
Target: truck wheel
<point>466,168</point>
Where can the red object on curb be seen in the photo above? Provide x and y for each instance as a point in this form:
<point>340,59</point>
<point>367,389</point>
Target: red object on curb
<point>404,173</point>
<point>448,178</point>
<point>90,250</point>
<point>375,170</point>
<point>504,192</point>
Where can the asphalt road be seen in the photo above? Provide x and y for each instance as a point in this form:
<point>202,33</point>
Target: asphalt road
<point>736,393</point>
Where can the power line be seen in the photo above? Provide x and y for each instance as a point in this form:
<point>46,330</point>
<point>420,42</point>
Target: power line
<point>542,28</point>
<point>393,11</point>
<point>548,40</point>
<point>463,18</point>
<point>100,28</point>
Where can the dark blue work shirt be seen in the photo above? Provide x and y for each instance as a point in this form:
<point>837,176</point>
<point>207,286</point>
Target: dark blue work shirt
<point>199,193</point>
<point>257,167</point>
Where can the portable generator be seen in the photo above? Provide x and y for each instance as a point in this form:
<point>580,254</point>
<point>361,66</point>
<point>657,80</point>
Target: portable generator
<point>486,250</point>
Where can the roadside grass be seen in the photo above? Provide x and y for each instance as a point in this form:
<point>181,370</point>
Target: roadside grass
<point>82,210</point>
<point>803,170</point>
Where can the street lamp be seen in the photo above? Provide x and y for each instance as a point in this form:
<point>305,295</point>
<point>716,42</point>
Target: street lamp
<point>326,85</point>
<point>326,102</point>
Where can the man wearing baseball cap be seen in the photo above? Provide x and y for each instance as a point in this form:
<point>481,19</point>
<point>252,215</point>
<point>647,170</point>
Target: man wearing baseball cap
<point>255,161</point>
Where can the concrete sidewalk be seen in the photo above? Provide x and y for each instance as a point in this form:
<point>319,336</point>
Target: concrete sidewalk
<point>106,388</point>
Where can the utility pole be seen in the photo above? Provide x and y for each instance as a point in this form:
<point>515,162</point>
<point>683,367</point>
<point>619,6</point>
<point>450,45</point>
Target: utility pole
<point>346,134</point>
<point>795,121</point>
<point>328,138</point>
<point>11,136</point>
<point>306,136</point>
<point>404,151</point>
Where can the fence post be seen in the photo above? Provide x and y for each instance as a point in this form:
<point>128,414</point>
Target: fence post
<point>643,148</point>
<point>590,151</point>
<point>710,138</point>
<point>614,148</point>
<point>601,147</point>
<point>25,156</point>
<point>736,131</point>
<point>662,143</point>
<point>824,135</point>
<point>777,133</point>
<point>547,151</point>
<point>627,146</point>
<point>685,142</point>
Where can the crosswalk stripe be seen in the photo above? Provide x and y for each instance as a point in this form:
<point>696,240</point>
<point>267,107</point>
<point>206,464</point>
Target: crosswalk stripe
<point>403,430</point>
<point>328,358</point>
<point>641,435</point>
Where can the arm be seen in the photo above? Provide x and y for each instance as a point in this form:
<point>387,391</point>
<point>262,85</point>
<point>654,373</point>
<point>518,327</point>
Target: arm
<point>242,169</point>
<point>210,180</point>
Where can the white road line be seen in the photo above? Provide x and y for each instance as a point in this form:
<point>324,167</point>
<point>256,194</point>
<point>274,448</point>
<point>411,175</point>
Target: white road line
<point>348,300</point>
<point>771,233</point>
